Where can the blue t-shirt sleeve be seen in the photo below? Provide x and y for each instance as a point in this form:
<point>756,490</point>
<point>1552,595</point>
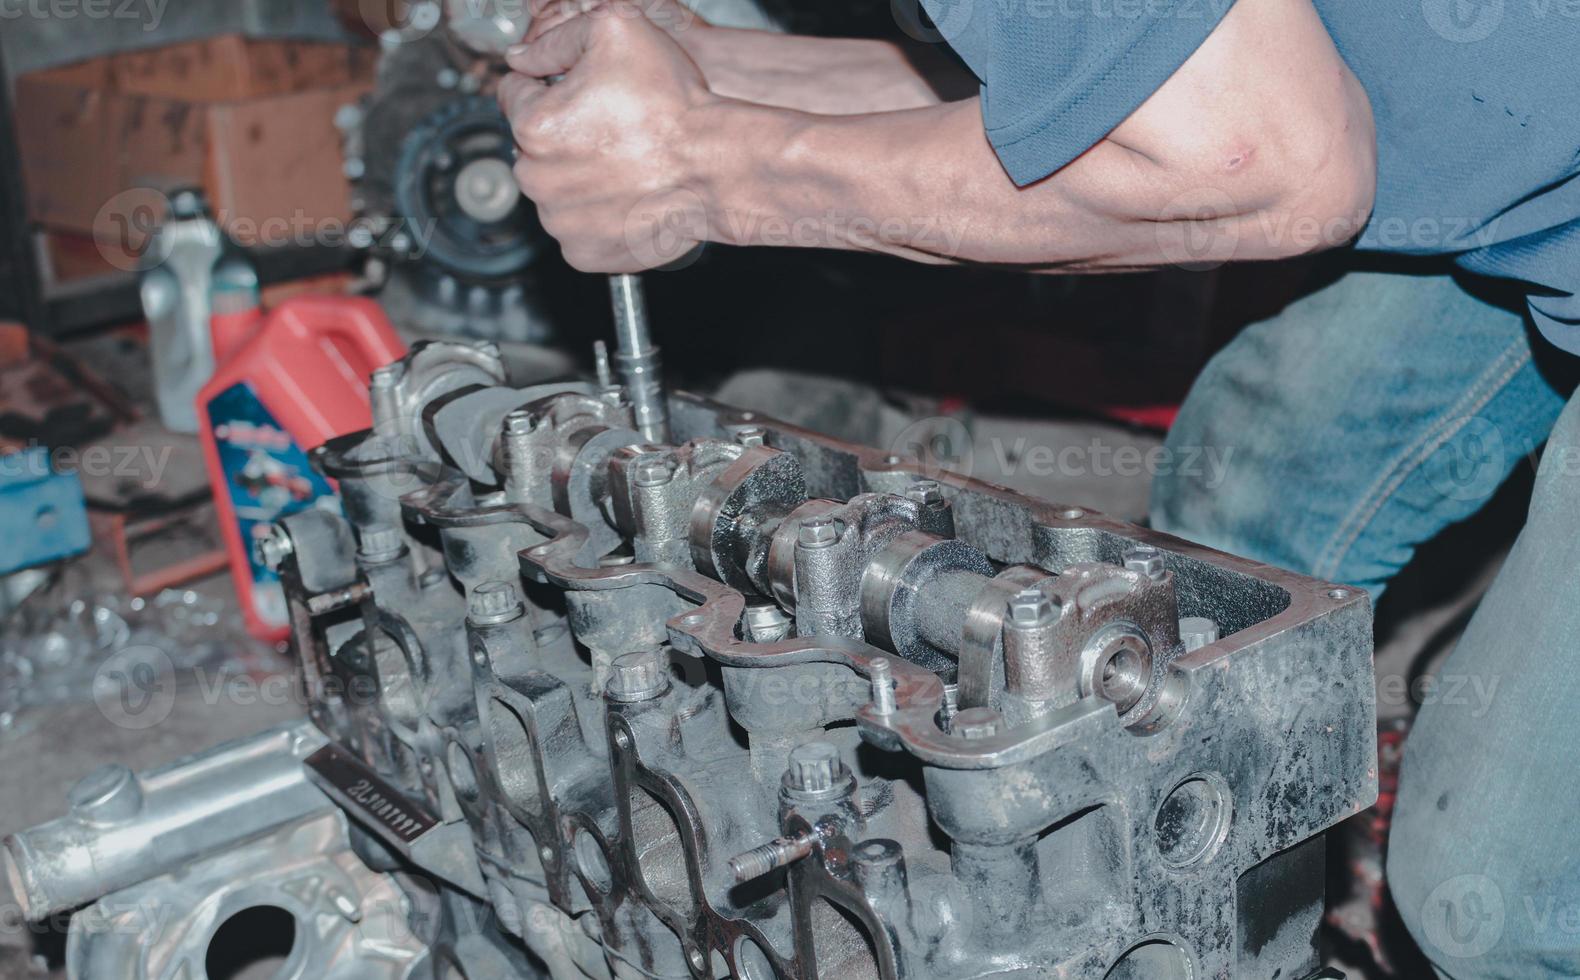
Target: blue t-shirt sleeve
<point>1059,75</point>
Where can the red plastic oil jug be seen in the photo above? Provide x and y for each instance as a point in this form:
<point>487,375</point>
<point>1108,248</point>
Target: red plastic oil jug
<point>287,381</point>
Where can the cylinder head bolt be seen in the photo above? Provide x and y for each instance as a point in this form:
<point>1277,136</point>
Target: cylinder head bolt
<point>816,772</point>
<point>493,603</point>
<point>640,676</point>
<point>381,543</point>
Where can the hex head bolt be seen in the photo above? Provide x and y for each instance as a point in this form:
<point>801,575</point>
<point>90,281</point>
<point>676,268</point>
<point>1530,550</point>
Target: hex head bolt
<point>817,533</point>
<point>653,471</point>
<point>492,603</point>
<point>1147,560</point>
<point>381,543</point>
<point>639,676</point>
<point>1029,622</point>
<point>928,493</point>
<point>815,771</point>
<point>751,435</point>
<point>977,723</point>
<point>815,768</point>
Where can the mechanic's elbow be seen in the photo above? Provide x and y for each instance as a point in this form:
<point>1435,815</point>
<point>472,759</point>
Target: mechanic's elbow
<point>1328,188</point>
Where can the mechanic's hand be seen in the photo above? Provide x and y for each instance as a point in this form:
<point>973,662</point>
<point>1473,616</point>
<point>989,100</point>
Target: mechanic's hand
<point>602,150</point>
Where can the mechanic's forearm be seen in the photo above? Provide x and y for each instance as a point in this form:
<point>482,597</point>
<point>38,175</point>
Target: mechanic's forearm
<point>831,76</point>
<point>926,185</point>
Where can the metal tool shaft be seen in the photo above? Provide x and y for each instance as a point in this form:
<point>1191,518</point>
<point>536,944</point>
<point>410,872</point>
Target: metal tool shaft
<point>637,360</point>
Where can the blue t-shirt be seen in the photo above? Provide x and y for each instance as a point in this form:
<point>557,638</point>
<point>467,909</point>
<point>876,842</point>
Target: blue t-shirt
<point>1477,104</point>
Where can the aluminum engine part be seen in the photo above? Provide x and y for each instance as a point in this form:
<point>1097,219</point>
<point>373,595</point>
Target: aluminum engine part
<point>764,704</point>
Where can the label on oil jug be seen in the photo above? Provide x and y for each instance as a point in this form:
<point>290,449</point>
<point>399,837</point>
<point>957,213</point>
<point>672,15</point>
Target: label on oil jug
<point>267,476</point>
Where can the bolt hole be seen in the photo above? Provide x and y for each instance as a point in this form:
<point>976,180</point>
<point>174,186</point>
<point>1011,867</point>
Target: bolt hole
<point>699,962</point>
<point>1339,594</point>
<point>592,862</point>
<point>1155,959</point>
<point>254,944</point>
<point>1124,677</point>
<point>1072,513</point>
<point>751,963</point>
<point>1192,821</point>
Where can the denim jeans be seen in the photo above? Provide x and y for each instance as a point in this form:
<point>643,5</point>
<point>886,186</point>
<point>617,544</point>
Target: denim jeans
<point>1359,423</point>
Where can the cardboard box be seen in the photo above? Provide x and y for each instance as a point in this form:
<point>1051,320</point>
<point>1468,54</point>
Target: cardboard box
<point>249,121</point>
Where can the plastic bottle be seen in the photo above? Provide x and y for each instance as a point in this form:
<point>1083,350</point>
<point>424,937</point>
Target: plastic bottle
<point>287,381</point>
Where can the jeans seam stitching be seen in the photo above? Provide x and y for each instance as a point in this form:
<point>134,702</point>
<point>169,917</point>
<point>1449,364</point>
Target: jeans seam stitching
<point>1414,457</point>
